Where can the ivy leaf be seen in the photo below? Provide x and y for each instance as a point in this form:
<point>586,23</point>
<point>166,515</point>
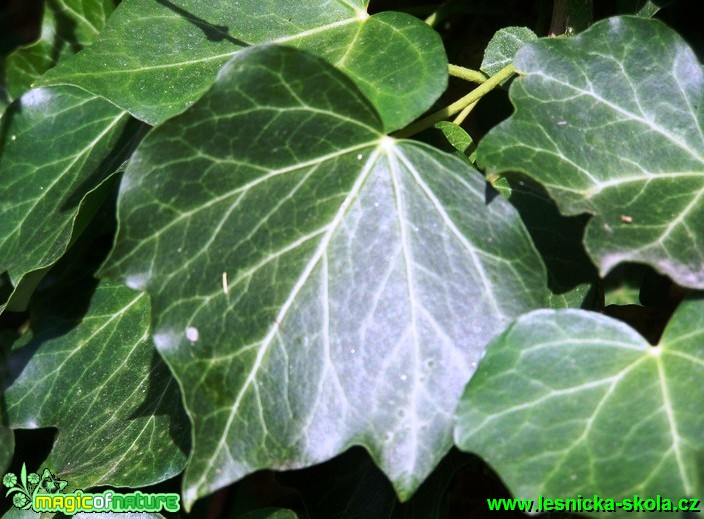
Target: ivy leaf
<point>570,402</point>
<point>156,58</point>
<point>95,376</point>
<point>50,174</point>
<point>67,27</point>
<point>503,46</point>
<point>610,122</point>
<point>316,284</point>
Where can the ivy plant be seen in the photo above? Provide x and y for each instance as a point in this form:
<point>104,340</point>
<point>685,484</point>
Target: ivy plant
<point>240,239</point>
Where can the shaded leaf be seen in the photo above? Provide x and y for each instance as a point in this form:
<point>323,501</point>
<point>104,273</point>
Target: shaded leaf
<point>503,46</point>
<point>156,58</point>
<point>610,122</point>
<point>571,402</point>
<point>59,145</point>
<point>315,283</point>
<point>93,374</point>
<point>67,27</point>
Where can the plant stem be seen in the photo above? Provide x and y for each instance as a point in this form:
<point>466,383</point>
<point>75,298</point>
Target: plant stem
<point>464,113</point>
<point>474,76</point>
<point>459,105</point>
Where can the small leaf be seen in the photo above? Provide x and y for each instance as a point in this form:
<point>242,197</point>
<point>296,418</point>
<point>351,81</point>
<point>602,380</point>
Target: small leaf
<point>610,122</point>
<point>67,27</point>
<point>156,58</point>
<point>571,402</point>
<point>49,172</point>
<point>98,380</point>
<point>315,283</point>
<point>503,46</point>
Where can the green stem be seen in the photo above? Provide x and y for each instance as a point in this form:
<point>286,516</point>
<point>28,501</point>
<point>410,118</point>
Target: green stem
<point>464,113</point>
<point>474,76</point>
<point>459,105</point>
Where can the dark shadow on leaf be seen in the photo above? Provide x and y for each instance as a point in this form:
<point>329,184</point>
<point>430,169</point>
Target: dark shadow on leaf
<point>65,32</point>
<point>163,398</point>
<point>6,120</point>
<point>211,31</point>
<point>489,193</point>
<point>128,140</point>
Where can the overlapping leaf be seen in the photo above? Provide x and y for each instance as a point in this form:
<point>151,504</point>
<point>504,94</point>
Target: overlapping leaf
<point>156,58</point>
<point>611,122</point>
<point>315,283</point>
<point>97,378</point>
<point>59,144</point>
<point>503,46</point>
<point>67,27</point>
<point>570,402</point>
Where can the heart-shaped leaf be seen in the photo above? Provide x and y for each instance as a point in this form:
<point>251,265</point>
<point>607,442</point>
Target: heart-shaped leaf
<point>570,402</point>
<point>49,173</point>
<point>611,122</point>
<point>97,378</point>
<point>315,283</point>
<point>156,58</point>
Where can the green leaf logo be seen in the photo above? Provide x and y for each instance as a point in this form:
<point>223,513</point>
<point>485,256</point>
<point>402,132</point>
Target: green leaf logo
<point>50,483</point>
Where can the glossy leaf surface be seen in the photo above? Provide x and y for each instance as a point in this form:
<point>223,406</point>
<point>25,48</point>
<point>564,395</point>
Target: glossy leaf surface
<point>60,144</point>
<point>315,283</point>
<point>98,380</point>
<point>611,123</point>
<point>156,58</point>
<point>572,402</point>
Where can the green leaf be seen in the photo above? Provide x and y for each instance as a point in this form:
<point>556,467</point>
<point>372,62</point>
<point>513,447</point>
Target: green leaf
<point>7,437</point>
<point>503,46</point>
<point>269,513</point>
<point>570,402</point>
<point>50,174</point>
<point>611,123</point>
<point>67,27</point>
<point>315,283</point>
<point>156,58</point>
<point>93,374</point>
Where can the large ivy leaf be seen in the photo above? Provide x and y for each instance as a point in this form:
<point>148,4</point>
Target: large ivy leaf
<point>611,123</point>
<point>59,145</point>
<point>315,283</point>
<point>569,402</point>
<point>67,27</point>
<point>156,58</point>
<point>93,374</point>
